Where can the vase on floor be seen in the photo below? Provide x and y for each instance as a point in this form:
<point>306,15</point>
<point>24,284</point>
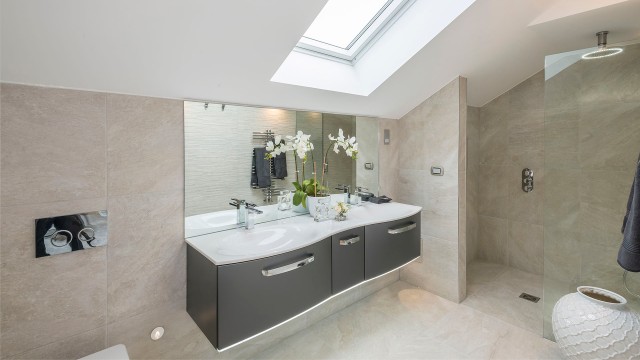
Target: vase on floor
<point>595,323</point>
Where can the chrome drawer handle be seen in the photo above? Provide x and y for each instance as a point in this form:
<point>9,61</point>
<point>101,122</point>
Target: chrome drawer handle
<point>287,268</point>
<point>349,241</point>
<point>402,228</point>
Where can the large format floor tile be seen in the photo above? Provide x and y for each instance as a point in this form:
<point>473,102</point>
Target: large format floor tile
<point>398,322</point>
<point>494,289</point>
<point>404,322</point>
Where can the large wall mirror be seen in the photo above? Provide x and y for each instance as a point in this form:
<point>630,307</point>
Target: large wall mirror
<point>223,143</point>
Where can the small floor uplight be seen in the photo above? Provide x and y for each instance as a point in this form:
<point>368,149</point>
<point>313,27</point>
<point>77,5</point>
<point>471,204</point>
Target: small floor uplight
<point>157,333</point>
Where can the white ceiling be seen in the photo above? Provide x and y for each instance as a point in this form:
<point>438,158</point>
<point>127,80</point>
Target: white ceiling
<point>227,51</point>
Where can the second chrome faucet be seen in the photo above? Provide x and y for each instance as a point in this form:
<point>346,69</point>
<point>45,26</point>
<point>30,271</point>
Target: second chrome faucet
<point>246,213</point>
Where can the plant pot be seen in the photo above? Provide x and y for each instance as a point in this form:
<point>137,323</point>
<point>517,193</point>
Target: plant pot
<point>313,202</point>
<point>595,323</point>
<point>299,209</point>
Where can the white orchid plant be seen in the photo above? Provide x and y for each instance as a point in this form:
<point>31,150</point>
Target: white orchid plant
<point>301,146</point>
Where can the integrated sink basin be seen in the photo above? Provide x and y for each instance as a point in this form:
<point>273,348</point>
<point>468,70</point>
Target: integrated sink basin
<point>288,234</point>
<point>215,221</point>
<point>262,240</point>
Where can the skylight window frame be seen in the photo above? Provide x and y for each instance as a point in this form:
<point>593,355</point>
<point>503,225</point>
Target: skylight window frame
<point>384,18</point>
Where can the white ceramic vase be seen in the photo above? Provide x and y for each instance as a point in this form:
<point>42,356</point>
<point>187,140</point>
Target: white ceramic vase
<point>595,323</point>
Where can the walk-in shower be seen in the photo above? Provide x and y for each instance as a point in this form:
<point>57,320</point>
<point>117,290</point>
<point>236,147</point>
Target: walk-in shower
<point>591,147</point>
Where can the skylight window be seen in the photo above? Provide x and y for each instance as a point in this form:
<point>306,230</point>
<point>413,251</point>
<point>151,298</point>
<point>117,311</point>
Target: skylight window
<point>344,28</point>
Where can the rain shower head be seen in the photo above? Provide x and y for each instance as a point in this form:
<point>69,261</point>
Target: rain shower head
<point>603,50</point>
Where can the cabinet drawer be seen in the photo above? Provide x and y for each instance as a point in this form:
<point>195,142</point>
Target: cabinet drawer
<point>347,259</point>
<point>256,295</point>
<point>391,244</point>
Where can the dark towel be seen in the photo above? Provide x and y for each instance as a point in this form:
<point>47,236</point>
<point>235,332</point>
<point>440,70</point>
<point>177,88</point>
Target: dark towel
<point>279,166</point>
<point>254,176</point>
<point>629,254</point>
<point>260,172</point>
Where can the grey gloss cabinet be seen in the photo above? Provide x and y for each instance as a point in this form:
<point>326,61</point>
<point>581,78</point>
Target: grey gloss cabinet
<point>233,302</point>
<point>255,295</point>
<point>347,259</point>
<point>391,244</point>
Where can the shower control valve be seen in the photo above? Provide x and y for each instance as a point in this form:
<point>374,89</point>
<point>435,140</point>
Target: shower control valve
<point>527,180</point>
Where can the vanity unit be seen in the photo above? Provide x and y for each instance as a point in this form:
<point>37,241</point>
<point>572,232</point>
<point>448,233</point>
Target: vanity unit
<point>243,282</point>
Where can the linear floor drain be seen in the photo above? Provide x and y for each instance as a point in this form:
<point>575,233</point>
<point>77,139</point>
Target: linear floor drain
<point>529,297</point>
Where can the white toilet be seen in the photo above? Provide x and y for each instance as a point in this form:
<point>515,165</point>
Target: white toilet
<point>116,352</point>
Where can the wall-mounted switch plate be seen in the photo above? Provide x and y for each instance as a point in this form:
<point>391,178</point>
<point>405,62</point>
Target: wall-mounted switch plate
<point>64,234</point>
<point>368,166</point>
<point>387,136</point>
<point>437,171</point>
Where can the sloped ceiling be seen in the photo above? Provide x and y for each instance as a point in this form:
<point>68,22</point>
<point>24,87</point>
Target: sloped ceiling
<point>227,51</point>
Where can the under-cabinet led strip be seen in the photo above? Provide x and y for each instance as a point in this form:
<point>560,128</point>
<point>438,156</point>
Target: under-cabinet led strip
<point>315,306</point>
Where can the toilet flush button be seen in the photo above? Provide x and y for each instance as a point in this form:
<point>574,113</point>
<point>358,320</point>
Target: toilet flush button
<point>157,333</point>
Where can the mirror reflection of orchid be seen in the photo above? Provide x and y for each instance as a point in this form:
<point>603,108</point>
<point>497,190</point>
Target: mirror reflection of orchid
<point>301,146</point>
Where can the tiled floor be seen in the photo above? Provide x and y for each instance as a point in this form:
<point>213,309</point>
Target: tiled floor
<point>404,322</point>
<point>397,322</point>
<point>495,289</point>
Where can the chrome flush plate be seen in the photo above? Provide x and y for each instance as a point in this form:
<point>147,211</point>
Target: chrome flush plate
<point>68,233</point>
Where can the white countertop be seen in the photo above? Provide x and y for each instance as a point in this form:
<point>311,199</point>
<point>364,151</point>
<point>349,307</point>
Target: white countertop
<point>281,236</point>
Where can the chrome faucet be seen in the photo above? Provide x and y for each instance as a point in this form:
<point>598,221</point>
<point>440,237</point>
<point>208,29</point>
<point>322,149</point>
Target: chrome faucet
<point>251,211</point>
<point>347,192</point>
<point>240,209</point>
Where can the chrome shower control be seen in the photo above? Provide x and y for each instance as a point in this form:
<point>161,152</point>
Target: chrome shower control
<point>527,180</point>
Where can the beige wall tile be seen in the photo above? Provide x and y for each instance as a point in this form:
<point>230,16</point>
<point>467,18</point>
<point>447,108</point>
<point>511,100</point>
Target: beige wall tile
<point>598,266</point>
<point>523,206</point>
<point>561,198</point>
<point>159,282</point>
<point>431,137</point>
<point>53,145</point>
<point>437,224</point>
<point>561,139</point>
<point>182,338</point>
<point>526,247</point>
<point>440,211</point>
<point>526,138</point>
<point>145,144</point>
<point>438,272</point>
<point>607,189</point>
<point>72,347</point>
<point>609,135</point>
<point>562,91</point>
<point>494,136</point>
<point>408,186</point>
<point>38,294</point>
<point>599,225</point>
<point>147,256</point>
<point>562,256</point>
<point>493,191</point>
<point>493,239</point>
<point>529,94</point>
<point>473,160</point>
<point>52,299</point>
